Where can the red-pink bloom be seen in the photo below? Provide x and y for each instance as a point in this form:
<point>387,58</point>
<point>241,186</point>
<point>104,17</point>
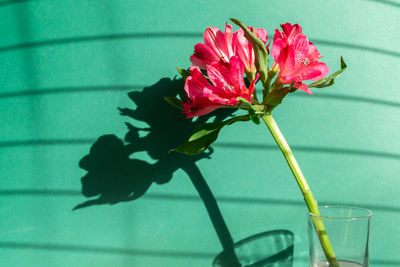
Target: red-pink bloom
<point>226,86</point>
<point>244,50</point>
<point>218,45</point>
<point>297,57</point>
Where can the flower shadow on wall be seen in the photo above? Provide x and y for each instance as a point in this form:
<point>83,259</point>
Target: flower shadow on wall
<point>113,177</point>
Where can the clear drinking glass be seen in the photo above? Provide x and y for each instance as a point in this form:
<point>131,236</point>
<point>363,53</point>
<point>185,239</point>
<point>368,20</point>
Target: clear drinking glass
<point>348,229</point>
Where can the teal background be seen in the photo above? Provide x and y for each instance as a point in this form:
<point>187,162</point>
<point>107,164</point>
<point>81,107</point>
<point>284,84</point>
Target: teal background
<point>67,65</point>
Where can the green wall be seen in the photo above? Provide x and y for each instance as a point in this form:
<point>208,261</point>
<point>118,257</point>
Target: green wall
<point>67,65</point>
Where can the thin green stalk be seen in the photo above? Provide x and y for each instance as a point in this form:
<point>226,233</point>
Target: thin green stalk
<point>305,189</point>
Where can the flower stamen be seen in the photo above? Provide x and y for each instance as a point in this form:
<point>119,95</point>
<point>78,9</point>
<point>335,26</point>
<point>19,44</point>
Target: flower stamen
<point>228,87</point>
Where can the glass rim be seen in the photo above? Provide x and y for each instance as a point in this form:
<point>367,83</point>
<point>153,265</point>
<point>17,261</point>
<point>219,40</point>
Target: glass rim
<point>368,212</point>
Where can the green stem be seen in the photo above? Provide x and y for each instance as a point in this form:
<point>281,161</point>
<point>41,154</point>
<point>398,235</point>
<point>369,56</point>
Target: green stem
<point>305,189</point>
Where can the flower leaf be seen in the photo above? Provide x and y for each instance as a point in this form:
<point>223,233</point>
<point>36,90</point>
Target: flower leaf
<point>204,135</point>
<point>184,73</point>
<point>275,97</point>
<point>175,102</point>
<point>261,54</point>
<point>254,118</point>
<point>244,103</point>
<point>325,82</point>
<point>254,110</point>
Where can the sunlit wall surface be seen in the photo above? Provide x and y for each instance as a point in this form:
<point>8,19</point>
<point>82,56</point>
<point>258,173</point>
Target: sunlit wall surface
<point>66,66</point>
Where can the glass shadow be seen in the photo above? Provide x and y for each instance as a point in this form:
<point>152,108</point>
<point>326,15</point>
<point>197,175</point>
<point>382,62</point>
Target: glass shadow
<point>268,249</point>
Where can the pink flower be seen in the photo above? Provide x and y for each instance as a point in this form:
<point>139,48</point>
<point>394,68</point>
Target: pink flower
<point>218,45</point>
<point>227,85</point>
<point>297,57</point>
<point>244,50</point>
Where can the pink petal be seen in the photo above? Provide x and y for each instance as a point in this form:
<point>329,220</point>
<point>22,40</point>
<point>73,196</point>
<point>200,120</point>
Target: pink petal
<point>262,34</point>
<point>215,73</point>
<point>303,88</point>
<point>300,46</point>
<point>246,55</point>
<point>228,39</point>
<point>277,45</point>
<point>289,59</point>
<point>193,88</point>
<point>199,108</point>
<point>313,54</point>
<point>244,50</point>
<point>203,51</point>
<point>201,63</point>
<point>297,57</point>
<point>215,39</point>
<point>291,31</point>
<point>252,86</point>
<point>195,83</point>
<point>197,103</point>
<point>203,56</point>
<point>297,64</point>
<point>228,82</point>
<point>313,71</point>
<point>228,76</point>
<point>196,73</point>
<point>209,36</point>
<point>237,72</point>
<point>322,68</point>
<point>217,95</point>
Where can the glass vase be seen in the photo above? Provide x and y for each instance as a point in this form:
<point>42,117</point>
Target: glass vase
<point>267,249</point>
<point>348,229</point>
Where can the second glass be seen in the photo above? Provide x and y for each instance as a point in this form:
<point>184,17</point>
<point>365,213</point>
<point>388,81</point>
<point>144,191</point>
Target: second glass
<point>348,229</point>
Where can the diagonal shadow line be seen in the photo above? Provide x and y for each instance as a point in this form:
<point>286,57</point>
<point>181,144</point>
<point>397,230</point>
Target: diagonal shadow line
<point>125,36</point>
<point>131,252</point>
<point>352,99</point>
<point>108,250</point>
<point>47,142</point>
<point>191,198</point>
<point>357,47</point>
<point>107,37</point>
<point>342,97</point>
<point>386,2</point>
<point>357,152</point>
<point>6,3</point>
<point>266,201</point>
<point>69,90</point>
<point>385,262</point>
<point>377,262</point>
<point>39,192</point>
<point>110,88</point>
